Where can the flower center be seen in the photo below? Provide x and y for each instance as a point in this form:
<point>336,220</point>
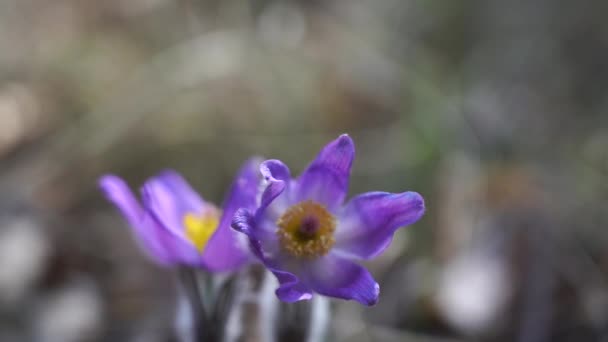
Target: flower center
<point>306,230</point>
<point>200,228</point>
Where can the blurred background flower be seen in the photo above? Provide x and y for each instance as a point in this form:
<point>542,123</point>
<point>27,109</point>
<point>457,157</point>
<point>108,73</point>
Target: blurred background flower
<point>495,111</point>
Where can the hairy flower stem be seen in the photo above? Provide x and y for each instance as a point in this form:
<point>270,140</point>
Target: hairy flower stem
<point>201,328</point>
<point>320,314</point>
<point>269,306</point>
<point>305,321</point>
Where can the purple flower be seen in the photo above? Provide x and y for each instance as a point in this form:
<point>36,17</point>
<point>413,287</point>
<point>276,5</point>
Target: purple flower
<point>175,226</point>
<point>304,234</point>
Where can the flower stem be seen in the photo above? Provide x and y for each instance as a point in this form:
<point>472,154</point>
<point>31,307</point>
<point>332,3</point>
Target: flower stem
<point>201,327</point>
<point>320,313</point>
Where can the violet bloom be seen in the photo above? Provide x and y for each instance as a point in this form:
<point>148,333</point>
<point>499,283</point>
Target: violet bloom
<point>175,226</point>
<point>304,234</point>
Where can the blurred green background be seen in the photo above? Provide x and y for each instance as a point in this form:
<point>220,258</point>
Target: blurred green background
<point>494,111</point>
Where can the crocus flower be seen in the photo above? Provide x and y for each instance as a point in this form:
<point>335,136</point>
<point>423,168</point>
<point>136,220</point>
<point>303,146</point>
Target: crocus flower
<point>304,234</point>
<point>175,226</point>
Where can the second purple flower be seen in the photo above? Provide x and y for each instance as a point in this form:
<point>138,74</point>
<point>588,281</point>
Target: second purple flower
<point>302,232</point>
<point>176,227</point>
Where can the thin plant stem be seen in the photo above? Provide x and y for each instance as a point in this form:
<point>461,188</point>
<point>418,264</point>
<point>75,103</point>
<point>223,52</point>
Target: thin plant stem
<point>320,313</point>
<point>201,327</point>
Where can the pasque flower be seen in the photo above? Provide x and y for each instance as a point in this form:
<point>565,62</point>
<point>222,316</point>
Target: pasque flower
<point>175,226</point>
<point>304,234</point>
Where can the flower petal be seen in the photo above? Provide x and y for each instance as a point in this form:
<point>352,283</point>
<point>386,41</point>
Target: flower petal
<point>368,222</point>
<point>291,289</point>
<point>340,278</point>
<point>243,221</point>
<point>151,238</point>
<point>277,177</point>
<point>223,252</point>
<point>261,242</point>
<point>326,178</point>
<point>164,247</point>
<point>275,169</point>
<point>169,198</point>
<point>117,191</point>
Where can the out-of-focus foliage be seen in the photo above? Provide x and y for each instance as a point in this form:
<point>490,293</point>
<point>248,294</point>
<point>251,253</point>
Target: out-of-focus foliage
<point>495,111</point>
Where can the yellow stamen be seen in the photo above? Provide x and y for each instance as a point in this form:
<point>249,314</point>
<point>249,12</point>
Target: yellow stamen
<point>306,230</point>
<point>199,229</point>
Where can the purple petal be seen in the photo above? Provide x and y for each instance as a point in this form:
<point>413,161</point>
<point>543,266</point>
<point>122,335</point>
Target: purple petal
<point>223,252</point>
<point>275,169</point>
<point>291,289</point>
<point>276,175</point>
<point>164,247</point>
<point>169,198</point>
<point>117,191</point>
<point>261,242</point>
<point>336,277</point>
<point>243,221</point>
<point>368,222</point>
<point>326,178</point>
<point>152,239</point>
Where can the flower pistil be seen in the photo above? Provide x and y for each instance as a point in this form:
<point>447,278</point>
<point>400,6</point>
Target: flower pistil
<point>200,228</point>
<point>306,230</point>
